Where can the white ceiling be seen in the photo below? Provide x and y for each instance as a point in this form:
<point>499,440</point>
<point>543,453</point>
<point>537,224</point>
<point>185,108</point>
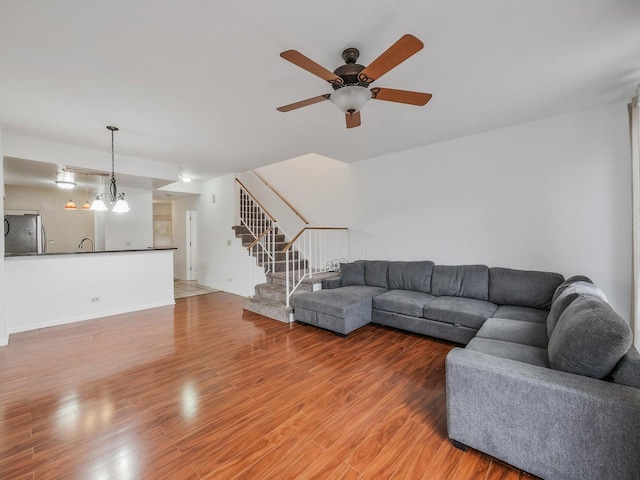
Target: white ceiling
<point>197,83</point>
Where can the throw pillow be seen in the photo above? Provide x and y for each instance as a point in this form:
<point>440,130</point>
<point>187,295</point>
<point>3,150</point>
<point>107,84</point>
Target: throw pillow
<point>569,294</point>
<point>589,339</point>
<point>567,283</point>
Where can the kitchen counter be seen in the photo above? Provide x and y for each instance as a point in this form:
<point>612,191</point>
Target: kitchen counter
<point>84,252</point>
<point>57,288</point>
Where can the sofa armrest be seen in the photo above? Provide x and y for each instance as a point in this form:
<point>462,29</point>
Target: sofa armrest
<point>549,423</point>
<point>331,283</point>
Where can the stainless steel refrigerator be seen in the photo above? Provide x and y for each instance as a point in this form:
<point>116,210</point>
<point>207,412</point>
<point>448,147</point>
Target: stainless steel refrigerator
<point>23,234</point>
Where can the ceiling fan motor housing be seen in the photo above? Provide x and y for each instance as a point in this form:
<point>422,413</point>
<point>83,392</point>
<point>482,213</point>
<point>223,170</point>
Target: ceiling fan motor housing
<point>349,72</point>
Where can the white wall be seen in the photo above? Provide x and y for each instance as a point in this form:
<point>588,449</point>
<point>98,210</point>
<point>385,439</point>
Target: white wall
<point>179,210</point>
<point>3,326</point>
<point>64,228</point>
<point>133,229</point>
<point>42,291</point>
<point>547,195</point>
<point>318,187</point>
<point>221,266</point>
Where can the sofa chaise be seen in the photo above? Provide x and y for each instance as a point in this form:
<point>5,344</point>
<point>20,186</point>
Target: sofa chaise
<point>548,381</point>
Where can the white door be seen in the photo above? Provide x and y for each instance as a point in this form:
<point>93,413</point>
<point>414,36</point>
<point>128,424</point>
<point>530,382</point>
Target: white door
<point>192,245</point>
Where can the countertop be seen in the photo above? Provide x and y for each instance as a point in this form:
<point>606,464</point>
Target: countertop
<point>85,252</point>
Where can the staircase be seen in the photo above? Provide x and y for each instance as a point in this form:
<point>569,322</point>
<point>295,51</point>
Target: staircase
<point>280,258</point>
<point>270,298</point>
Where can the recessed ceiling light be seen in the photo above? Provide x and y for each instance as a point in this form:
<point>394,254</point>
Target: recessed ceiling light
<point>65,184</point>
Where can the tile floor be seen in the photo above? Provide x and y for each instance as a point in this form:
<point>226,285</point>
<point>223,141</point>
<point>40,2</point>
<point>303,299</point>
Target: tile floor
<point>184,288</point>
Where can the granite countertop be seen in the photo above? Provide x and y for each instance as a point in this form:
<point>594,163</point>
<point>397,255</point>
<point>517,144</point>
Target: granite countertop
<point>149,249</point>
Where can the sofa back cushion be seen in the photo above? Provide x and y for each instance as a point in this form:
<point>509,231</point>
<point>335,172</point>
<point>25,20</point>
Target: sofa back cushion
<point>567,283</point>
<point>471,281</point>
<point>589,339</point>
<point>352,274</point>
<point>522,288</point>
<point>376,273</point>
<point>627,371</point>
<point>568,295</point>
<point>415,276</point>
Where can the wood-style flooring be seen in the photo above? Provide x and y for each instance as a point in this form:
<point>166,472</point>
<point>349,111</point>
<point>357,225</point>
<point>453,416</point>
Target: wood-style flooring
<point>204,390</point>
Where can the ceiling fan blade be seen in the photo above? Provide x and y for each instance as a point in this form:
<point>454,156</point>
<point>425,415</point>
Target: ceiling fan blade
<point>304,103</point>
<point>391,58</point>
<point>310,66</point>
<point>401,96</point>
<point>353,119</point>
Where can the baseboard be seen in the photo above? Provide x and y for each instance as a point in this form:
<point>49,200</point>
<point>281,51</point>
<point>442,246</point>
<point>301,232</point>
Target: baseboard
<point>82,318</point>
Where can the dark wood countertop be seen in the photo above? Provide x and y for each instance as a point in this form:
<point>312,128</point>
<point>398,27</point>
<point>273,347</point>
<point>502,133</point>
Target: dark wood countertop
<point>149,249</point>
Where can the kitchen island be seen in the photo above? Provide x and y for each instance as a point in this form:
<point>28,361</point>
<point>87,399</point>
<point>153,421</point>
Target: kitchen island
<point>43,290</point>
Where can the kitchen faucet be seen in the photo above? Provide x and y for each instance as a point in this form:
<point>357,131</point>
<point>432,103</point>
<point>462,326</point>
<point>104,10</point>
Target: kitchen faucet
<point>80,245</point>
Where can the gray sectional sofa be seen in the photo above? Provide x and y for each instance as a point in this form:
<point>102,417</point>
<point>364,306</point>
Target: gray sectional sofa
<point>548,381</point>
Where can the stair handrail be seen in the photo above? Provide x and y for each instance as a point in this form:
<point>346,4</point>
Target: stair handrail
<point>293,209</point>
<point>260,237</point>
<point>313,258</point>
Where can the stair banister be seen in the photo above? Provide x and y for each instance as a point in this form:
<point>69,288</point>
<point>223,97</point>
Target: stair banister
<point>314,256</point>
<point>293,209</point>
<point>264,246</point>
<point>257,202</point>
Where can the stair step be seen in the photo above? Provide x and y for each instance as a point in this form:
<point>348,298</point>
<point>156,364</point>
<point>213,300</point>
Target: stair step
<point>307,282</point>
<point>242,230</point>
<point>268,308</point>
<point>282,256</point>
<point>248,238</point>
<point>281,265</point>
<point>272,291</point>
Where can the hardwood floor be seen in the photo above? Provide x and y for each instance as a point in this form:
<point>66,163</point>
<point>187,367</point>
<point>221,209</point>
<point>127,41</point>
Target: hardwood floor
<point>204,390</point>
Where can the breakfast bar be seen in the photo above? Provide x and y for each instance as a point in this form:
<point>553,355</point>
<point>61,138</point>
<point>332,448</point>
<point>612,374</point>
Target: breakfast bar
<point>44,290</point>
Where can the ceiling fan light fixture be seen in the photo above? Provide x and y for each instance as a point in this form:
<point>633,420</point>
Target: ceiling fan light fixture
<point>351,98</point>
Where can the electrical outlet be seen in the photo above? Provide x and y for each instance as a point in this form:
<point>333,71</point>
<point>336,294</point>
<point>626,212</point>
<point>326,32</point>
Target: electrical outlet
<point>94,299</point>
<point>228,243</point>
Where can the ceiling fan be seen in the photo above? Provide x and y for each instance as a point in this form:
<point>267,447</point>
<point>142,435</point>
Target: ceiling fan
<point>351,81</point>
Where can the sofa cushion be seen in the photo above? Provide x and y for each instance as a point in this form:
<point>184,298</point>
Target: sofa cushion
<point>521,313</point>
<point>414,276</point>
<point>522,288</point>
<point>627,371</point>
<point>514,351</point>
<point>567,283</point>
<point>470,281</point>
<point>376,273</point>
<point>340,302</point>
<point>407,302</point>
<point>467,312</point>
<point>589,339</point>
<point>568,295</point>
<point>352,274</point>
<point>515,331</point>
